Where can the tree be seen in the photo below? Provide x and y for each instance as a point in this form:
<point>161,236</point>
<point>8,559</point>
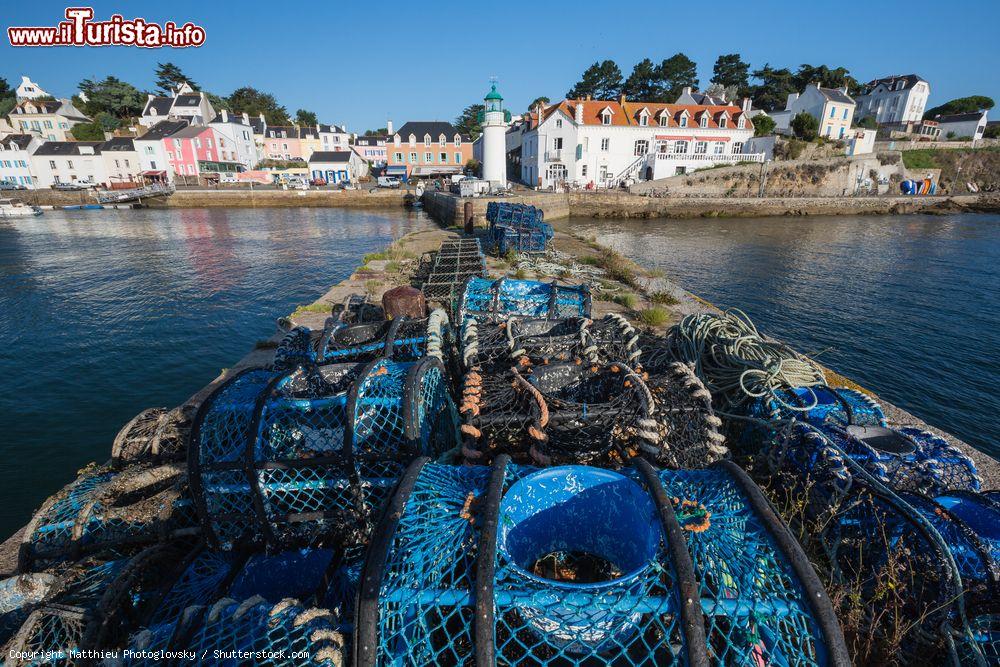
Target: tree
<point>87,132</point>
<point>960,105</point>
<point>544,101</point>
<point>303,117</point>
<point>253,102</point>
<point>826,77</point>
<point>112,96</point>
<point>170,77</point>
<point>730,70</point>
<point>676,72</point>
<point>218,103</point>
<point>774,87</point>
<point>380,132</point>
<point>868,123</point>
<point>107,122</point>
<point>601,81</point>
<point>468,122</point>
<point>644,83</point>
<point>805,126</point>
<point>763,125</point>
<point>992,132</point>
<point>7,97</point>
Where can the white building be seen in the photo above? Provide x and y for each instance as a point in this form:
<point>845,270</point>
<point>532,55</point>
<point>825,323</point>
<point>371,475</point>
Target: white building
<point>68,162</point>
<point>15,160</point>
<point>333,137</point>
<point>29,90</point>
<point>962,125</point>
<point>691,96</point>
<point>602,143</point>
<point>184,104</point>
<point>234,135</point>
<point>337,166</point>
<point>49,120</point>
<point>494,123</point>
<point>894,99</point>
<point>833,109</point>
<point>121,161</point>
<point>153,160</point>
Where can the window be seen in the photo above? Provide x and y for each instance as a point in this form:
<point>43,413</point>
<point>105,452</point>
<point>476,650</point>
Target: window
<point>833,111</point>
<point>458,158</point>
<point>641,147</point>
<point>845,113</point>
<point>684,120</point>
<point>413,158</point>
<point>443,158</point>
<point>427,140</point>
<point>197,142</point>
<point>428,157</point>
<point>48,125</point>
<point>52,164</point>
<point>680,147</point>
<point>738,147</point>
<point>704,120</point>
<point>741,123</point>
<point>442,140</point>
<point>117,164</point>
<point>170,155</point>
<point>643,120</point>
<point>413,139</point>
<point>663,120</point>
<point>558,122</point>
<point>458,140</point>
<point>700,147</point>
<point>126,164</point>
<point>719,148</point>
<point>605,144</point>
<point>152,164</point>
<point>284,147</point>
<point>604,172</point>
<point>723,122</point>
<point>69,163</point>
<point>397,157</point>
<point>557,143</point>
<point>606,118</point>
<point>583,171</point>
<point>841,135</point>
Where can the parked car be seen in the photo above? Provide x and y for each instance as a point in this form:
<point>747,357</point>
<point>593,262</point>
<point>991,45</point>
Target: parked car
<point>228,178</point>
<point>318,181</point>
<point>10,185</point>
<point>388,182</point>
<point>75,185</point>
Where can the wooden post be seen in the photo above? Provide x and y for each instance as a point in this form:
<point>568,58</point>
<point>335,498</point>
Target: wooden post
<point>468,218</point>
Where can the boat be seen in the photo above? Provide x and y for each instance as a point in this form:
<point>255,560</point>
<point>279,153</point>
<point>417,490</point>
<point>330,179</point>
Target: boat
<point>17,209</point>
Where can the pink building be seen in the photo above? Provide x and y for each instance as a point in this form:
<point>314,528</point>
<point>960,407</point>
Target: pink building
<point>282,143</point>
<point>200,150</point>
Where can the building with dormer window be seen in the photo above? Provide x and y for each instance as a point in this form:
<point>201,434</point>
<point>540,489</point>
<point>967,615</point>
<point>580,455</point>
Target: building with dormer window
<point>894,100</point>
<point>184,104</point>
<point>425,149</point>
<point>603,144</point>
<point>49,120</point>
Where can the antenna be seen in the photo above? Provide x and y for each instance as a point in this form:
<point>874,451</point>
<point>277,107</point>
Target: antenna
<point>494,79</point>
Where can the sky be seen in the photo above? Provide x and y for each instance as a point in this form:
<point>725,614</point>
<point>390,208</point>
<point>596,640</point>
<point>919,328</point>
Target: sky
<point>360,63</point>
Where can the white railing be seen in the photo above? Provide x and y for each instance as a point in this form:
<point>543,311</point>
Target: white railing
<point>730,158</point>
<point>554,155</point>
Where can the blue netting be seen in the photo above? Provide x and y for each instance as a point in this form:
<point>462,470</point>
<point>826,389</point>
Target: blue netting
<point>517,227</point>
<point>19,596</point>
<point>582,573</point>
<point>328,443</point>
<point>819,405</point>
<point>756,609</point>
<point>342,342</point>
<point>495,300</point>
<point>251,632</point>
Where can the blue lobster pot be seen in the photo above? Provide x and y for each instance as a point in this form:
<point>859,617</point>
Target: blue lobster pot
<point>582,512</point>
<point>980,513</point>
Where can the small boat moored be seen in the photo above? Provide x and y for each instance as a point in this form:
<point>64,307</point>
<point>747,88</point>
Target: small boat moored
<point>16,209</point>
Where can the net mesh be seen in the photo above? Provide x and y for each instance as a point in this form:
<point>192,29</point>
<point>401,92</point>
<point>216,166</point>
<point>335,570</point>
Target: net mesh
<point>755,607</point>
<point>493,301</point>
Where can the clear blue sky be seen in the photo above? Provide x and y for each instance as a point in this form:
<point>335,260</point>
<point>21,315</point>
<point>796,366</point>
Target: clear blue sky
<point>360,63</point>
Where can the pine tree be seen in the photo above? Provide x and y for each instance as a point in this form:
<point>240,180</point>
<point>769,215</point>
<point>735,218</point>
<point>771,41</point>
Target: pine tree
<point>169,77</point>
<point>601,81</point>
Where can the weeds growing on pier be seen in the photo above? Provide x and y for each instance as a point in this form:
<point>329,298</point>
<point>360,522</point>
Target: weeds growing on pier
<point>618,267</point>
<point>654,317</point>
<point>663,299</point>
<point>628,300</point>
<point>318,307</point>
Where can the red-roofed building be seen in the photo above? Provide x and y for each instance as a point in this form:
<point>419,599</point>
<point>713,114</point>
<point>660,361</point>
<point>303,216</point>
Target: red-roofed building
<point>599,143</point>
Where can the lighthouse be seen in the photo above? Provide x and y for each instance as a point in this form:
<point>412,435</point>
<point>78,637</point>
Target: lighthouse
<point>494,121</point>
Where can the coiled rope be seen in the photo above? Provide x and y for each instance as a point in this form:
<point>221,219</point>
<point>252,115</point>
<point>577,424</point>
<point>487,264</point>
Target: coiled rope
<point>737,363</point>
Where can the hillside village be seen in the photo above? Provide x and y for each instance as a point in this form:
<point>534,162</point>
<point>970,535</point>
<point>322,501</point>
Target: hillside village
<point>188,137</point>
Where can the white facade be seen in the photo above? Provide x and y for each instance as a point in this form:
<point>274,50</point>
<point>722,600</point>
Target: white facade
<point>894,99</point>
<point>333,137</point>
<point>184,104</point>
<point>603,144</point>
<point>494,148</point>
<point>29,90</point>
<point>76,162</point>
<point>831,107</point>
<point>337,166</point>
<point>234,136</point>
<point>121,161</point>
<point>15,160</point>
<point>962,125</point>
<point>49,120</point>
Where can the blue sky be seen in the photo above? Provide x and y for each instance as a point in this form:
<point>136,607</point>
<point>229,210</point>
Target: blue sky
<point>360,63</point>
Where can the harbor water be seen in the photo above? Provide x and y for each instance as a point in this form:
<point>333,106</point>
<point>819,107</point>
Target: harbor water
<point>908,306</point>
<point>104,313</point>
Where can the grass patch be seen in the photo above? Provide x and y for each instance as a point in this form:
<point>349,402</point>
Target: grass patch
<point>654,317</point>
<point>510,257</point>
<point>618,268</point>
<point>393,267</point>
<point>520,274</point>
<point>589,260</point>
<point>921,158</point>
<point>372,287</point>
<point>391,253</point>
<point>663,299</point>
<point>319,307</point>
<point>628,300</point>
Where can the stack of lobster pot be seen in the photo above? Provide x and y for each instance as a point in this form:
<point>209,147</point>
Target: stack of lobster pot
<point>445,271</point>
<point>517,228</point>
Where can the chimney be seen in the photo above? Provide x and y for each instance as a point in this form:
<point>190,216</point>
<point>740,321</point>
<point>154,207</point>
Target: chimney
<point>149,97</point>
<point>578,112</point>
<point>747,105</point>
<point>246,118</point>
<point>588,97</point>
<point>388,128</point>
<point>686,90</point>
<point>621,99</point>
<point>225,116</point>
<point>317,128</point>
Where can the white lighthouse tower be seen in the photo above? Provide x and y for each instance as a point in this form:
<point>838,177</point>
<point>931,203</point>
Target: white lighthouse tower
<point>494,122</point>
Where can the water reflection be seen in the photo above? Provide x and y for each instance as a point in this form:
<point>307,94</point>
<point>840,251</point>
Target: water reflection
<point>905,304</point>
<point>108,312</point>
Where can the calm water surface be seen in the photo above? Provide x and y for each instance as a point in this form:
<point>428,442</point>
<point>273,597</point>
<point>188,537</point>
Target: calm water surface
<point>909,306</point>
<point>104,313</point>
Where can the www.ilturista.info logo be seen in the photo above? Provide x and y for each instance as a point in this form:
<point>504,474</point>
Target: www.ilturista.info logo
<point>80,30</point>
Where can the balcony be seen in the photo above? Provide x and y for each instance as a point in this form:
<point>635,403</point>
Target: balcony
<point>724,158</point>
<point>555,155</point>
